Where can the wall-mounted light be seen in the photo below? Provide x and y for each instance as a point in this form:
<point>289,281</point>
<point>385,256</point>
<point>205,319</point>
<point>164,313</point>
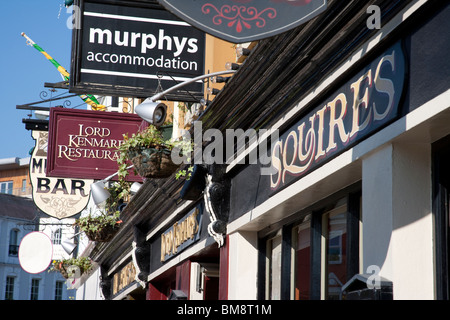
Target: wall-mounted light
<point>241,51</point>
<point>153,112</point>
<point>69,246</point>
<point>135,187</point>
<point>212,91</point>
<point>219,79</point>
<point>99,191</point>
<point>232,66</point>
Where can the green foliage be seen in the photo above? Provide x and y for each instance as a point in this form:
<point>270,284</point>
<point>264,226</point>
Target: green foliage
<point>96,223</point>
<point>151,137</point>
<point>83,263</point>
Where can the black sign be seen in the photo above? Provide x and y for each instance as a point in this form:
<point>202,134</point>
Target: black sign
<point>365,104</point>
<point>133,51</point>
<point>241,21</point>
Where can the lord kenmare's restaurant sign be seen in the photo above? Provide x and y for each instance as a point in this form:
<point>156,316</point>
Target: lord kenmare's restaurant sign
<point>239,21</point>
<point>366,103</point>
<point>83,144</point>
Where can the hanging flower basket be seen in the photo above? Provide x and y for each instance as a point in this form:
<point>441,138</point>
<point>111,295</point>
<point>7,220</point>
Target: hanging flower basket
<point>100,228</point>
<point>69,267</point>
<point>103,234</point>
<point>152,162</point>
<point>150,152</point>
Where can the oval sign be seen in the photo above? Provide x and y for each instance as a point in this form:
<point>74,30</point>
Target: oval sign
<point>239,21</point>
<point>35,252</point>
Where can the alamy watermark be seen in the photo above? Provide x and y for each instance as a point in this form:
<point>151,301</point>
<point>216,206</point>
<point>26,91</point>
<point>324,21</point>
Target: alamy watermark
<point>232,146</point>
<point>374,280</point>
<point>374,20</point>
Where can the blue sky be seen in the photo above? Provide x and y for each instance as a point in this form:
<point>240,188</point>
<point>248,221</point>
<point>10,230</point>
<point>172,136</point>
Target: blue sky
<point>23,70</point>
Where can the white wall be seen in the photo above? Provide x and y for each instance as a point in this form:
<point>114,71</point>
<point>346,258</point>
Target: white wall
<point>243,266</point>
<point>397,218</point>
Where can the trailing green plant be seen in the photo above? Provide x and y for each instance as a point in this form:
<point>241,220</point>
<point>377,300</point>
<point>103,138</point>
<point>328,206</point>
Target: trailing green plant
<point>119,191</point>
<point>150,137</point>
<point>84,264</point>
<point>96,223</point>
<point>185,173</point>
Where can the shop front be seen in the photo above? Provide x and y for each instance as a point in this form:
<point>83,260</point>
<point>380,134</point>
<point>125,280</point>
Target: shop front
<point>358,188</point>
<point>186,262</point>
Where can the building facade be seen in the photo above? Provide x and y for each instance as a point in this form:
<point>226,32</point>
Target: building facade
<point>19,217</point>
<point>351,195</point>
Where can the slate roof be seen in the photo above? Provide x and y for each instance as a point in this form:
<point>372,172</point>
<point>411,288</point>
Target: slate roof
<point>17,207</point>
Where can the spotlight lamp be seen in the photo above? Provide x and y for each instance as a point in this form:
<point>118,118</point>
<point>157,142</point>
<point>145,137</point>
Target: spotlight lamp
<point>212,91</point>
<point>219,79</point>
<point>204,102</point>
<point>68,246</point>
<point>154,113</point>
<point>135,187</point>
<point>231,66</point>
<point>99,193</point>
<point>241,51</point>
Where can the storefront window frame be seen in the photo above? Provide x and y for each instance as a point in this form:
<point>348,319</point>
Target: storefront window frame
<point>315,215</point>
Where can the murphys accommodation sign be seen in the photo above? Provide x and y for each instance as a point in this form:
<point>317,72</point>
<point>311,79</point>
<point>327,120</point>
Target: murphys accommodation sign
<point>241,21</point>
<point>56,196</point>
<point>365,104</point>
<point>131,49</point>
<point>83,144</point>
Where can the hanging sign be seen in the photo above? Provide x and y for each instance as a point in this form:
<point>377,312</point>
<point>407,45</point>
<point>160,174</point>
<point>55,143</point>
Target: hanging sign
<point>366,103</point>
<point>239,21</point>
<point>56,196</point>
<point>134,50</point>
<point>83,143</point>
<point>181,234</point>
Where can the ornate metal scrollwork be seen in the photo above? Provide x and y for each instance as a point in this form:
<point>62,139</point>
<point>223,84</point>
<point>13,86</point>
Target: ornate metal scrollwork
<point>105,283</point>
<point>141,257</point>
<point>217,201</point>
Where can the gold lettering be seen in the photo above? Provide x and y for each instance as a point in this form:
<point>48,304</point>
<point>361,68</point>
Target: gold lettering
<point>385,86</point>
<point>276,163</point>
<point>310,145</point>
<point>357,102</point>
<point>180,233</point>
<point>337,122</point>
<point>321,115</point>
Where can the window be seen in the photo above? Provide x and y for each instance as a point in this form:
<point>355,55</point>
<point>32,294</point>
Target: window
<point>34,289</point>
<point>6,187</point>
<point>273,268</point>
<point>13,243</point>
<point>59,290</point>
<point>9,288</point>
<point>314,257</point>
<point>56,236</point>
<point>24,185</point>
<point>336,263</point>
<point>301,243</point>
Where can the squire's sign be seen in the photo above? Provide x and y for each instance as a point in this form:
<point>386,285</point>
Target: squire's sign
<point>132,51</point>
<point>365,104</point>
<point>241,21</point>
